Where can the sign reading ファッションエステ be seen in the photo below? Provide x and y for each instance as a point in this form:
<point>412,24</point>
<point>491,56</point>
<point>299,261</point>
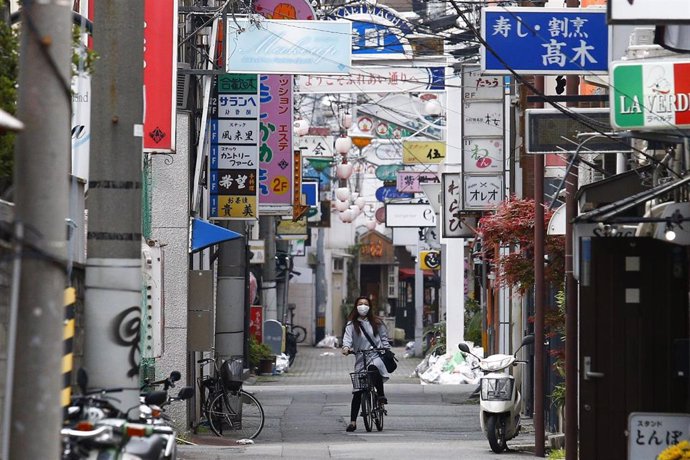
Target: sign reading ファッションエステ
<point>544,41</point>
<point>652,95</point>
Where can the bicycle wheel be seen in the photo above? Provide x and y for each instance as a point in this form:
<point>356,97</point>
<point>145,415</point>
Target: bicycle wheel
<point>300,333</point>
<point>236,415</point>
<point>378,414</point>
<point>367,409</point>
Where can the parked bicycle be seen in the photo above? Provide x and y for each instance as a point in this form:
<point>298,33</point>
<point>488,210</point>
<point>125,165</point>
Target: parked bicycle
<point>373,410</point>
<point>229,411</point>
<point>299,332</point>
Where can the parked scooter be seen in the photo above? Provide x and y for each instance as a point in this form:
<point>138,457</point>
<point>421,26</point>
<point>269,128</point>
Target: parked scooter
<point>500,401</point>
<point>95,429</point>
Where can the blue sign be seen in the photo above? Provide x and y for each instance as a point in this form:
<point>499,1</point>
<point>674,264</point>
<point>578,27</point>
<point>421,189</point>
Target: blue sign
<point>547,41</point>
<point>376,30</point>
<point>390,192</point>
<point>311,192</point>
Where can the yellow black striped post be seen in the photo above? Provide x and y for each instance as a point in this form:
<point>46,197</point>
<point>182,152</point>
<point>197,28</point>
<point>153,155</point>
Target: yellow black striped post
<point>68,341</point>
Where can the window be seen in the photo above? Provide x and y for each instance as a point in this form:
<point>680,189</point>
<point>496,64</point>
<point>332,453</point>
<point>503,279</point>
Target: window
<point>392,282</point>
<point>338,264</point>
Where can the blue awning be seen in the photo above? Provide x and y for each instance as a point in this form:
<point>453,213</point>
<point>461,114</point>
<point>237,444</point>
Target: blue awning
<point>205,234</point>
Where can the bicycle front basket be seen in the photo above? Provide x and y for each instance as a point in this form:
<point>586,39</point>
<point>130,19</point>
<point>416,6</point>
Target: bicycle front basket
<point>360,380</point>
<point>231,374</point>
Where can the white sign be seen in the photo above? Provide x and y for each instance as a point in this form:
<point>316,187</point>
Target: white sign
<point>649,433</point>
<point>454,225</point>
<point>410,215</point>
<point>476,86</point>
<point>483,118</point>
<point>376,80</point>
<point>649,11</point>
<point>288,47</point>
<point>317,146</point>
<point>482,154</point>
<point>482,192</point>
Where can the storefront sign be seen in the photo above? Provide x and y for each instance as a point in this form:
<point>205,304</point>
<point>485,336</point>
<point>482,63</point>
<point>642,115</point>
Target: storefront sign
<point>409,215</point>
<point>482,192</point>
<point>410,181</point>
<point>652,95</point>
<point>376,80</point>
<point>423,152</point>
<point>648,11</point>
<point>544,40</point>
<point>652,432</point>
<point>292,47</point>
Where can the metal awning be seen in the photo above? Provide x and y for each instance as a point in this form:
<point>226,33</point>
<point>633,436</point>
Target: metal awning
<point>610,213</point>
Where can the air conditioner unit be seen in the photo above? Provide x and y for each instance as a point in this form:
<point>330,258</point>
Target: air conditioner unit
<point>182,86</point>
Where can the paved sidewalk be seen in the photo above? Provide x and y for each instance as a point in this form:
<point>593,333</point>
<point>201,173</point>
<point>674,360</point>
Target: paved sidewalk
<point>327,366</point>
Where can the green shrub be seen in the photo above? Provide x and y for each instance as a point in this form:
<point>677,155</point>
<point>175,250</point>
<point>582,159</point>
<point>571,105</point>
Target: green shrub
<point>257,352</point>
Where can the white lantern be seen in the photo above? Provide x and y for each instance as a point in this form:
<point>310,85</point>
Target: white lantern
<point>301,127</point>
<point>360,202</point>
<point>343,145</point>
<point>346,216</point>
<point>342,193</point>
<point>354,209</point>
<point>346,120</point>
<point>343,170</point>
<point>433,107</point>
<point>371,224</point>
<point>341,205</point>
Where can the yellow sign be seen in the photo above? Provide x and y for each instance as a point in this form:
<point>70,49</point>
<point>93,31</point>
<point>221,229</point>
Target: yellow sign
<point>427,152</point>
<point>237,206</point>
<point>429,260</point>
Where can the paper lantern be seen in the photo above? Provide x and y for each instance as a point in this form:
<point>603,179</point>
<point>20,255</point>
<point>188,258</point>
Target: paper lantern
<point>342,193</point>
<point>343,170</point>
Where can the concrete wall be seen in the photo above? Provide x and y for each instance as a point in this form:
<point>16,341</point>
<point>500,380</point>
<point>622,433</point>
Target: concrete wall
<point>170,227</point>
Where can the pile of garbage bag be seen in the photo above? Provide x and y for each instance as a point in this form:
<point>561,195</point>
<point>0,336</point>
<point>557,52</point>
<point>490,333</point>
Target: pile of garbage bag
<point>450,368</point>
<point>328,342</point>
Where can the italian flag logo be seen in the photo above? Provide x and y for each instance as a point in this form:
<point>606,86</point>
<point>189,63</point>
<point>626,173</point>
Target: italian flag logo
<point>651,95</point>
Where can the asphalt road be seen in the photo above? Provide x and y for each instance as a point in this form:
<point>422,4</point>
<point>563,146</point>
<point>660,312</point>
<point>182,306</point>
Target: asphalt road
<point>308,408</point>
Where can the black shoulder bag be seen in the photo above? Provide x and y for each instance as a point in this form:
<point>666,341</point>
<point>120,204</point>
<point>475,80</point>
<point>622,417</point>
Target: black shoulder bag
<point>388,357</point>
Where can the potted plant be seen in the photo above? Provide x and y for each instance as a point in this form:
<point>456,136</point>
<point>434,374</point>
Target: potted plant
<point>261,357</point>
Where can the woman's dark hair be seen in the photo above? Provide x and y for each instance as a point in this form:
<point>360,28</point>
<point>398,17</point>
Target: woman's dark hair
<point>375,321</point>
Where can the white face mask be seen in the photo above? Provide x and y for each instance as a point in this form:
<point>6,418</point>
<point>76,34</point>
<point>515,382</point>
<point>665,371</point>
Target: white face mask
<point>363,310</point>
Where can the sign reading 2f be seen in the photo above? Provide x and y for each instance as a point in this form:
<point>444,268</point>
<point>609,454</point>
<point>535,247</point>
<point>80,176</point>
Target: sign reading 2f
<point>544,41</point>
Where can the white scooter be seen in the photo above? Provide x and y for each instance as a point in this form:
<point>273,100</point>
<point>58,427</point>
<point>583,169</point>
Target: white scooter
<point>500,402</point>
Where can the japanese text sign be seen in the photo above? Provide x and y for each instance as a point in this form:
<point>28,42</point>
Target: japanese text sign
<point>482,192</point>
<point>234,152</point>
<point>317,146</point>
<point>423,152</point>
<point>476,86</point>
<point>650,433</point>
<point>410,181</point>
<point>544,40</point>
<point>454,225</point>
<point>275,151</point>
<point>376,80</point>
<point>482,155</point>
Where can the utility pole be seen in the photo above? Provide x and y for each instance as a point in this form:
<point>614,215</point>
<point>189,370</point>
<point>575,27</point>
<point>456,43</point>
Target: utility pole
<point>113,298</point>
<point>232,283</point>
<point>41,175</point>
<point>269,296</point>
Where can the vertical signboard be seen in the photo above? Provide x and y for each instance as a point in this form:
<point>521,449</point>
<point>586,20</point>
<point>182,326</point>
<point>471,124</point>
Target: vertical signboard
<point>234,156</point>
<point>160,73</point>
<point>275,152</point>
<point>455,224</point>
<point>483,149</point>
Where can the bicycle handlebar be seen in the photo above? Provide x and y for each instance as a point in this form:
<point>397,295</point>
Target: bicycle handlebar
<point>369,350</point>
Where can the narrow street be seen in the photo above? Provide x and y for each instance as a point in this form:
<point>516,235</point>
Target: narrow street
<point>307,410</point>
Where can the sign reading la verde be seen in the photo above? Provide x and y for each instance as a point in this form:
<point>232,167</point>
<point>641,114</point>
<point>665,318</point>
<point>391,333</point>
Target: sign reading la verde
<point>545,40</point>
<point>650,95</point>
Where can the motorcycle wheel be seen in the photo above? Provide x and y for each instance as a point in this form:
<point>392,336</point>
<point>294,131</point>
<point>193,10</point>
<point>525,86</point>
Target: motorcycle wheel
<point>496,432</point>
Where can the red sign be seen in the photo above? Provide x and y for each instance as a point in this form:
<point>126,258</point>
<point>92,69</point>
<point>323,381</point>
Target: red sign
<point>256,322</point>
<point>160,73</point>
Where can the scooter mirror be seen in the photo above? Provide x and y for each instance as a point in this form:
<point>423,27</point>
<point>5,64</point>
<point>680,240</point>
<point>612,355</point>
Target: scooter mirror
<point>463,347</point>
<point>528,340</point>
<point>186,393</point>
<point>175,376</point>
<point>156,397</point>
<point>82,380</point>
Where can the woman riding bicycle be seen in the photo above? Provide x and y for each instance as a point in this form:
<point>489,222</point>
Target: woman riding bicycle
<point>362,318</point>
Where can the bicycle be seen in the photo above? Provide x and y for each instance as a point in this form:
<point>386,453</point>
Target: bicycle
<point>230,411</point>
<point>372,410</point>
<point>299,332</point>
